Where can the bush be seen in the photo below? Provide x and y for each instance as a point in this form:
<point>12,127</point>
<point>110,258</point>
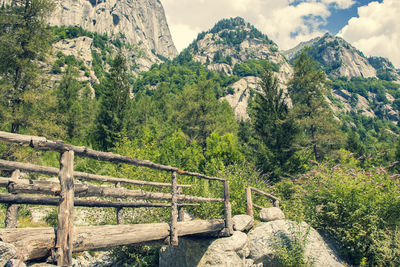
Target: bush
<point>359,208</point>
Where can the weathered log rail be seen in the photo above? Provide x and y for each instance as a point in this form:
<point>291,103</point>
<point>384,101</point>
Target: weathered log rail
<point>249,202</point>
<point>68,192</point>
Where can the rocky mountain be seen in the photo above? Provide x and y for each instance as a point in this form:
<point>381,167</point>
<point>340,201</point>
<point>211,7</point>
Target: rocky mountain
<point>338,59</point>
<point>235,47</point>
<point>141,22</point>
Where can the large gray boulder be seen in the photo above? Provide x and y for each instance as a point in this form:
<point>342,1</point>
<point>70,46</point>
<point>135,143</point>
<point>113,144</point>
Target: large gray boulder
<point>271,214</point>
<point>228,251</point>
<point>263,238</point>
<point>242,222</point>
<point>7,252</point>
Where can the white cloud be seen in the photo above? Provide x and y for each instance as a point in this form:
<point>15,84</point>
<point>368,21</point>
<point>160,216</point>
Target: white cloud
<point>284,23</point>
<point>341,4</point>
<point>376,31</point>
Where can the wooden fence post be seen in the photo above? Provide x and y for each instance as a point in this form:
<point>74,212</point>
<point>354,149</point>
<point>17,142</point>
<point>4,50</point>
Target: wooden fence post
<point>119,211</point>
<point>249,202</point>
<point>181,210</point>
<point>11,220</point>
<point>228,210</point>
<point>174,211</point>
<point>65,210</point>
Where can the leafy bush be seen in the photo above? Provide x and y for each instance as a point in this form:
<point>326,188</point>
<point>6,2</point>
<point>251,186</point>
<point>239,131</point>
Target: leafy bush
<point>359,208</point>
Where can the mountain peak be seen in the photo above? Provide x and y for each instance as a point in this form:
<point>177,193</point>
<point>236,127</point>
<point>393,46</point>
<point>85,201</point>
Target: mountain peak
<point>141,22</point>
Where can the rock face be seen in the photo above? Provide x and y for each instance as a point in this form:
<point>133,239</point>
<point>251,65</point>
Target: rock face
<point>141,21</point>
<point>264,236</point>
<point>242,222</point>
<point>229,251</point>
<point>338,57</point>
<point>7,252</point>
<point>256,249</point>
<point>271,214</point>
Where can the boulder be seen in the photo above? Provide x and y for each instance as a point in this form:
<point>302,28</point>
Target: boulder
<point>242,222</point>
<point>228,251</point>
<point>264,238</point>
<point>271,214</point>
<point>7,252</point>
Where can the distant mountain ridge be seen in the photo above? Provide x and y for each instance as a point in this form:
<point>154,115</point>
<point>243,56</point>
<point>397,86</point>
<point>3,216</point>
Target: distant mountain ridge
<point>338,58</point>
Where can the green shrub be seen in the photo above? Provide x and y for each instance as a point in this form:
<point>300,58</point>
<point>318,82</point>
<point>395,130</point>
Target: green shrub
<point>359,208</point>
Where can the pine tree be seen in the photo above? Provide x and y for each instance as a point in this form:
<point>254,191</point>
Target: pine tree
<point>24,40</point>
<point>114,105</point>
<point>307,90</point>
<point>275,131</point>
<point>199,113</point>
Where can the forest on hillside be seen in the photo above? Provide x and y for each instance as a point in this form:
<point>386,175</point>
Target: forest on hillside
<point>339,174</point>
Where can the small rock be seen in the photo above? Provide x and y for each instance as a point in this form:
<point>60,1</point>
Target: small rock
<point>7,252</point>
<point>15,263</point>
<point>271,214</point>
<point>242,222</point>
<point>42,265</point>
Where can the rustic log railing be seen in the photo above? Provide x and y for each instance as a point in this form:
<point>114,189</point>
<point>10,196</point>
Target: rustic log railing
<point>249,202</point>
<point>67,193</point>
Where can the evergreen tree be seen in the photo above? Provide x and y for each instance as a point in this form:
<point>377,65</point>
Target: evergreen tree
<point>275,131</point>
<point>199,113</point>
<point>24,40</point>
<point>307,90</point>
<point>75,106</point>
<point>114,105</point>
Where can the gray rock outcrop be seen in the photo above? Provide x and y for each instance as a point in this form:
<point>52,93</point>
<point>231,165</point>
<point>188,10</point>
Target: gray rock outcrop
<point>262,239</point>
<point>255,249</point>
<point>271,214</point>
<point>229,251</point>
<point>7,252</point>
<point>242,222</point>
<point>140,22</point>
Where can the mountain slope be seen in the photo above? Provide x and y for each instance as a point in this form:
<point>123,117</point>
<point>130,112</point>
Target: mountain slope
<point>338,59</point>
<point>141,22</point>
<point>236,47</point>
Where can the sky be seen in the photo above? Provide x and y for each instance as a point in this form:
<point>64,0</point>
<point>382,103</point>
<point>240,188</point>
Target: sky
<point>371,26</point>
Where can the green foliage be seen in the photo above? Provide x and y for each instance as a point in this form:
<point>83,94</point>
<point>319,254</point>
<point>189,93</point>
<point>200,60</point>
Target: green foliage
<point>254,67</point>
<point>307,90</point>
<point>274,129</point>
<point>359,208</point>
<point>24,41</point>
<point>136,255</point>
<point>75,107</point>
<point>199,113</point>
<point>111,119</point>
<point>289,249</point>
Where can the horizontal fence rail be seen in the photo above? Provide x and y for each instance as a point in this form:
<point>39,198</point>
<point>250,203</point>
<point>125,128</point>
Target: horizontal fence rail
<point>249,202</point>
<point>67,193</point>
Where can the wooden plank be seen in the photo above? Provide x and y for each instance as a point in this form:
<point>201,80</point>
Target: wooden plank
<point>35,243</point>
<point>273,198</point>
<point>228,210</point>
<point>65,218</point>
<point>44,144</point>
<point>249,202</point>
<point>174,211</point>
<point>84,190</point>
<point>11,220</point>
<point>26,167</point>
<point>54,201</point>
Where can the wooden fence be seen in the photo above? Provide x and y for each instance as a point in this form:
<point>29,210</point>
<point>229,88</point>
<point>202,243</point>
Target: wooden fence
<point>249,202</point>
<point>67,195</point>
